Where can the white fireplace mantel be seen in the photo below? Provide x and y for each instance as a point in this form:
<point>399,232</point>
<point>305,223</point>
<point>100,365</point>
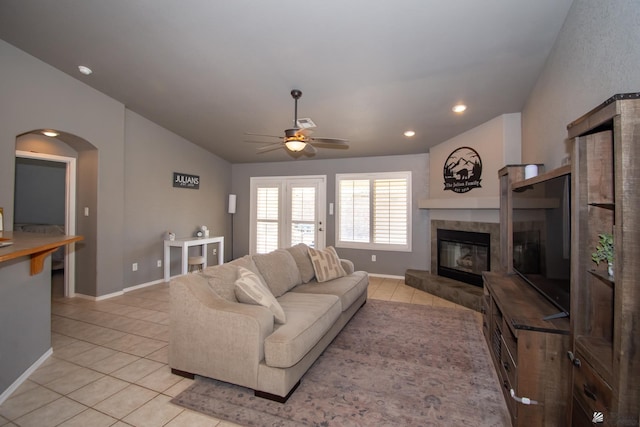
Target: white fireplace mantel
<point>461,203</point>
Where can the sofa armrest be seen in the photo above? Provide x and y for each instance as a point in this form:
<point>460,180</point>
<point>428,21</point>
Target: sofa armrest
<point>347,265</point>
<point>213,337</point>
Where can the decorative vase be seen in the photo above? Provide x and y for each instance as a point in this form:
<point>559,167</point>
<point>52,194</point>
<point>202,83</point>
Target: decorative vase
<point>610,269</point>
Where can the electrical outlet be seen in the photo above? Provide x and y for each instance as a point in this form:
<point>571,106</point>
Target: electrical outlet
<point>159,263</point>
<point>134,266</point>
<point>373,258</point>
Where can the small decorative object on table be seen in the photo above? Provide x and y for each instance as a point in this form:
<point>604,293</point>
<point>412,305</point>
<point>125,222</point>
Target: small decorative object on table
<point>604,251</point>
<point>170,235</point>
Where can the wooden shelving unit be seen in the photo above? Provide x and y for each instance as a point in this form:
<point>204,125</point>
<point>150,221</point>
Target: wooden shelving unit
<point>605,311</point>
<point>508,175</point>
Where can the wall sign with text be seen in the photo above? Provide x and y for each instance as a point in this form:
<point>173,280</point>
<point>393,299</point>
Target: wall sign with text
<point>462,170</point>
<point>183,180</point>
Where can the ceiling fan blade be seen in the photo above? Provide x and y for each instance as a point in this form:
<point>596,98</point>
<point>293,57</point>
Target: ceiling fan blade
<point>310,149</point>
<point>270,147</point>
<point>339,141</point>
<point>260,134</point>
<point>260,142</point>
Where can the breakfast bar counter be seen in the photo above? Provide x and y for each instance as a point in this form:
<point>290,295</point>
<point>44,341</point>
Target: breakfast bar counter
<point>35,245</point>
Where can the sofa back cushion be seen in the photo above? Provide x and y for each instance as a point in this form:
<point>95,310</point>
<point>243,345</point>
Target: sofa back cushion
<point>246,262</point>
<point>250,289</point>
<point>222,279</point>
<point>300,253</point>
<point>326,264</point>
<point>279,271</point>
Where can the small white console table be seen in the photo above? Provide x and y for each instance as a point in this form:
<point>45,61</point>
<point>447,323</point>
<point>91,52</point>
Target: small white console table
<point>185,243</point>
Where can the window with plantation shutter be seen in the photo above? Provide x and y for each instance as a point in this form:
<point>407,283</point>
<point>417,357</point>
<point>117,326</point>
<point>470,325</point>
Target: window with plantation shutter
<point>374,211</point>
<point>267,216</point>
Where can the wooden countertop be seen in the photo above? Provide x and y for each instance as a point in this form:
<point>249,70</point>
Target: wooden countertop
<point>36,245</point>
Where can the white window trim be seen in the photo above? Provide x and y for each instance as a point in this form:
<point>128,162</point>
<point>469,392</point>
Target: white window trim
<point>375,246</point>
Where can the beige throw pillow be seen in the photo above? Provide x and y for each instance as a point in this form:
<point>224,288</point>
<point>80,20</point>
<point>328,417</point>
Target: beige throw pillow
<point>326,264</point>
<point>250,289</point>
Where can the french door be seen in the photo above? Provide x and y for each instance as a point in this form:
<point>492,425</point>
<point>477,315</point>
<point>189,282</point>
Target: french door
<point>286,211</point>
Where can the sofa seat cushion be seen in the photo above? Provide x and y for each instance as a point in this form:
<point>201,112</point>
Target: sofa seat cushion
<point>309,317</point>
<point>347,288</point>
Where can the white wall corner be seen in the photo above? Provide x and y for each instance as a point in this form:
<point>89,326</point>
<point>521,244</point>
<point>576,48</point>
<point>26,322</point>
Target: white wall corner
<point>512,137</point>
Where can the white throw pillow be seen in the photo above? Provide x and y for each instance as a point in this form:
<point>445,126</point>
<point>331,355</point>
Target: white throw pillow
<point>326,264</point>
<point>250,289</point>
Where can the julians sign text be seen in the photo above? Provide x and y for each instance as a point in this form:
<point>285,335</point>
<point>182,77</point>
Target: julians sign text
<point>182,180</point>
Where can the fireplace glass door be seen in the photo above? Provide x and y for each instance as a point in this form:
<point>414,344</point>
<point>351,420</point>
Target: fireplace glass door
<point>463,255</point>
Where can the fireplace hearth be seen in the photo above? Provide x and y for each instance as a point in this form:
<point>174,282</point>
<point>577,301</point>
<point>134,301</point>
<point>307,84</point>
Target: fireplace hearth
<point>463,255</point>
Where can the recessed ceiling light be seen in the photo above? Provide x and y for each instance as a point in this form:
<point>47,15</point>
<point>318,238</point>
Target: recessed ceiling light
<point>459,108</point>
<point>50,133</point>
<point>409,133</point>
<point>84,70</point>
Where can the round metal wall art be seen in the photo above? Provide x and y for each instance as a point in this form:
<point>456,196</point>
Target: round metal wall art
<point>462,170</point>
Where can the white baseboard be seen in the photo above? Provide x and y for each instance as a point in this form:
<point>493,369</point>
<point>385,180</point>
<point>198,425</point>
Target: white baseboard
<point>142,285</point>
<point>100,298</point>
<point>386,276</point>
<point>25,375</point>
<point>120,293</point>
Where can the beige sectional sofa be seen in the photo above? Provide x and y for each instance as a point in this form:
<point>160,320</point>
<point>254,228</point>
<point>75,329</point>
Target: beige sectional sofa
<point>213,334</point>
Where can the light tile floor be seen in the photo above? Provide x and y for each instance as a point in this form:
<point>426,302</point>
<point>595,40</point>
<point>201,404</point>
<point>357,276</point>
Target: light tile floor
<point>109,363</point>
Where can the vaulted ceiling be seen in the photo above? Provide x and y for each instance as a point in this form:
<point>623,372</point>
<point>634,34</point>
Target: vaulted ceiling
<point>368,69</point>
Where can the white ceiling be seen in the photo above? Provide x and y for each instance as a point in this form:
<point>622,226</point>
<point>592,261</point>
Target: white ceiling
<point>211,70</point>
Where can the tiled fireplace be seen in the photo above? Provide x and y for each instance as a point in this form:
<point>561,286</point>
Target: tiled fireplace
<point>464,249</point>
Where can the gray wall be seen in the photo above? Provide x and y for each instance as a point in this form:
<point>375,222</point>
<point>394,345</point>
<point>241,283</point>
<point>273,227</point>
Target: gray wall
<point>125,175</point>
<point>39,192</point>
<point>37,96</point>
<point>596,55</point>
<point>388,262</point>
<point>153,206</point>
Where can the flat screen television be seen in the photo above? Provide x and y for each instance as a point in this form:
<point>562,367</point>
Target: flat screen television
<point>541,226</point>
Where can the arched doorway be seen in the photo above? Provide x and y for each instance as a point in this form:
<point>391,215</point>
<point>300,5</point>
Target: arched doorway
<point>79,158</point>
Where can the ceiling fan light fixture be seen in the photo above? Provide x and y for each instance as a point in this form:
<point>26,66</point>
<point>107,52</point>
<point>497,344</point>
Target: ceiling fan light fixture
<point>295,145</point>
<point>50,133</point>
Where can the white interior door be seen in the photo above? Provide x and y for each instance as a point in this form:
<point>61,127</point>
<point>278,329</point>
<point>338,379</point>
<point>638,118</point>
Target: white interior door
<point>286,211</point>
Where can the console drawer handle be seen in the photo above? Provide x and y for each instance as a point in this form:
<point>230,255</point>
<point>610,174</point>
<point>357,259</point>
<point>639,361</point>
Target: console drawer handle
<point>591,395</point>
<point>573,359</point>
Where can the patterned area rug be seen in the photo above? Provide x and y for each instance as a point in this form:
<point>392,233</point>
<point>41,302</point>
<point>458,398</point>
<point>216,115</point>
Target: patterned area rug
<point>394,364</point>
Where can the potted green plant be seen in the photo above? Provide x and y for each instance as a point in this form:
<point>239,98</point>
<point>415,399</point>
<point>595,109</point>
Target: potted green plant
<point>604,251</point>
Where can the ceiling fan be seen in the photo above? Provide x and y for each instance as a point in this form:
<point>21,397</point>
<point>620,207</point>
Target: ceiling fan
<point>297,138</point>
